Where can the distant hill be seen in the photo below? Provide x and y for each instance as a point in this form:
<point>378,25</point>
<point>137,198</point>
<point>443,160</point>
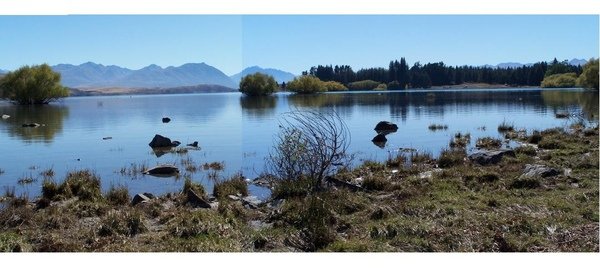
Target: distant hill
<point>93,75</point>
<point>579,62</point>
<point>148,91</point>
<point>279,75</point>
<point>90,74</point>
<point>506,65</point>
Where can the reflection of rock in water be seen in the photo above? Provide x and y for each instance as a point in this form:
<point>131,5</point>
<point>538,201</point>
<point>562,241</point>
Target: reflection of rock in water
<point>380,144</point>
<point>258,106</point>
<point>50,118</point>
<point>379,140</point>
<point>160,151</point>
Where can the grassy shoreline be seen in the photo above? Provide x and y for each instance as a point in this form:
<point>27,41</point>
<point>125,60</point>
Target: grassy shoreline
<point>409,203</point>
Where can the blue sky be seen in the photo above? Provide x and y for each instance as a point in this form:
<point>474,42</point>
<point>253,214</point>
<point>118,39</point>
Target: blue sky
<point>294,43</point>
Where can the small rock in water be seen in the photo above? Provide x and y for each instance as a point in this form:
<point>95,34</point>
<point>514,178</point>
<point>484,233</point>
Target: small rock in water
<point>166,120</point>
<point>162,170</point>
<point>160,141</point>
<point>386,126</point>
<point>194,144</point>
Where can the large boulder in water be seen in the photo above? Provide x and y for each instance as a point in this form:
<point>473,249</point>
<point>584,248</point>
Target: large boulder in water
<point>161,141</point>
<point>489,157</point>
<point>386,127</point>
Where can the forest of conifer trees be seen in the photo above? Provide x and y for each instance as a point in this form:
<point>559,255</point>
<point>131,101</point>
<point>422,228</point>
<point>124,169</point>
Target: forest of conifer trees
<point>400,76</point>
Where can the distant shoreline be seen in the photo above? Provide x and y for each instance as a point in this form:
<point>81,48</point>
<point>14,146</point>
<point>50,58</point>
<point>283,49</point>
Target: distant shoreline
<point>116,91</point>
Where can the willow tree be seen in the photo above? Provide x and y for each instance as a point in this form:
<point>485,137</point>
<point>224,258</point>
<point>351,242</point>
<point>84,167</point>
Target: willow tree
<point>306,84</point>
<point>589,76</point>
<point>36,84</point>
<point>258,84</point>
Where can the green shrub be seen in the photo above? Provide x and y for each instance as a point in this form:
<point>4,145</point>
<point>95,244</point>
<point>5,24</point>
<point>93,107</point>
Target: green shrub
<point>36,84</point>
<point>334,86</point>
<point>258,84</point>
<point>381,87</point>
<point>363,85</point>
<point>566,80</point>
<point>589,76</point>
<point>394,85</point>
<point>306,84</point>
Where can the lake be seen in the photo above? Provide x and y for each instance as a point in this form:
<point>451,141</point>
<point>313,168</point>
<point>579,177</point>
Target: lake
<point>239,131</point>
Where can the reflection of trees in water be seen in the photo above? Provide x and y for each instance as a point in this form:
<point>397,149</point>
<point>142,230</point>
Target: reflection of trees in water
<point>342,103</point>
<point>50,116</point>
<point>315,100</point>
<point>560,101</point>
<point>258,106</point>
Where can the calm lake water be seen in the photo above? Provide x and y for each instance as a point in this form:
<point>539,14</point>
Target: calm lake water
<point>239,131</point>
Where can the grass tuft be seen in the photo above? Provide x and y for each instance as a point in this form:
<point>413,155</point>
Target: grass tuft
<point>451,157</point>
<point>505,126</point>
<point>488,143</point>
<point>526,150</point>
<point>233,186</point>
<point>118,195</point>
<point>188,185</point>
<point>213,166</point>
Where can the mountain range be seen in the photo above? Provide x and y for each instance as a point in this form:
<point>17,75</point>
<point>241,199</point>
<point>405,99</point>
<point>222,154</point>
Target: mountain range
<point>506,65</point>
<point>89,74</point>
<point>279,75</point>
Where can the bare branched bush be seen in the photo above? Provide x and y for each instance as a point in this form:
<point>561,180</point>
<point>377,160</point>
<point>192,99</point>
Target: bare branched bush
<point>310,145</point>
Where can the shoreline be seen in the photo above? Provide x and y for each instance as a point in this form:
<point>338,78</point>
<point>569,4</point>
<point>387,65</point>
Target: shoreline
<point>446,204</point>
